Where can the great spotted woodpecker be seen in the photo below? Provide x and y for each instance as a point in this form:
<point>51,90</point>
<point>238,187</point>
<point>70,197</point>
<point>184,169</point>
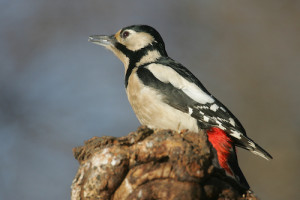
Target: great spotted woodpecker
<point>164,94</point>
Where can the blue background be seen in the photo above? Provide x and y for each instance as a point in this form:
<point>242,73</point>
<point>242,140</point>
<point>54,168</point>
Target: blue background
<point>57,89</point>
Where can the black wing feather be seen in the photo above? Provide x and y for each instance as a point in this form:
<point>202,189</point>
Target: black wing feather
<point>178,99</point>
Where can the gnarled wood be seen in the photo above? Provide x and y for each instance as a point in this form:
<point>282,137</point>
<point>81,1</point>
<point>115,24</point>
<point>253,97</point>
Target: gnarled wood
<point>150,164</point>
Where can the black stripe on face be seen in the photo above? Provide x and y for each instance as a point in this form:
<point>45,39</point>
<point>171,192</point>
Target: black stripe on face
<point>128,53</point>
<point>132,59</point>
<point>136,56</point>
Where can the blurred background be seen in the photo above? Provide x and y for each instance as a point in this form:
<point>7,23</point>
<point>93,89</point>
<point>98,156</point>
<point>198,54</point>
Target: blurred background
<point>57,89</point>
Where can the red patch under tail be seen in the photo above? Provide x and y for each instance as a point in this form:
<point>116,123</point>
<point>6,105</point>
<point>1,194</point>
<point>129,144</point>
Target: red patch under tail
<point>222,144</point>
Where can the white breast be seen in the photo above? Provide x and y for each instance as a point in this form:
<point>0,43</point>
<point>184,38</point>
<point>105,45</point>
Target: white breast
<point>152,111</point>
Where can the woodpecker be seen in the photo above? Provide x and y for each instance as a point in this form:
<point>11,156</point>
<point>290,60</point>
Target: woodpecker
<point>165,94</point>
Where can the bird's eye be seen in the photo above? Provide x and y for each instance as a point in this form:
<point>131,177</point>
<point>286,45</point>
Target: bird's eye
<point>125,34</point>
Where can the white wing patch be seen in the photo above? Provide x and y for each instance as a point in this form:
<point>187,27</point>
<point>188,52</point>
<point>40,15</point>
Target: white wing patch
<point>220,125</point>
<point>190,111</point>
<point>195,93</point>
<point>223,109</point>
<point>169,75</point>
<point>214,107</point>
<point>205,118</point>
<point>231,121</point>
<point>202,107</point>
<point>221,119</point>
<point>236,134</point>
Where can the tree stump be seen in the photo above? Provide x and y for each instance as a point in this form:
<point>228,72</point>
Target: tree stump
<point>151,164</point>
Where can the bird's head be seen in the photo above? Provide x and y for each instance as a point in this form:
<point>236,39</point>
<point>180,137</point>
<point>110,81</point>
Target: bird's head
<point>132,43</point>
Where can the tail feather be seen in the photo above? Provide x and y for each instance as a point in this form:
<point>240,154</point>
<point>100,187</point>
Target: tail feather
<point>238,174</point>
<point>248,144</point>
<point>225,155</point>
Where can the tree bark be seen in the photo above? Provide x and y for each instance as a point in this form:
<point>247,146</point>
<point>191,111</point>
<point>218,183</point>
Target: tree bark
<point>151,164</point>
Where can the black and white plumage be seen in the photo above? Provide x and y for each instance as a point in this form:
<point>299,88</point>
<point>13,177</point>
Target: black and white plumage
<point>165,94</point>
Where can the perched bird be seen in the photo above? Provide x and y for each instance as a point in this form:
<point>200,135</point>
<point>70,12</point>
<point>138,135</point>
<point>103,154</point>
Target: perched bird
<point>164,94</point>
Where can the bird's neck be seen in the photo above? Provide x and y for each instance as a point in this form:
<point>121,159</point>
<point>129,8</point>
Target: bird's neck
<point>143,57</point>
<point>132,59</point>
<point>148,57</point>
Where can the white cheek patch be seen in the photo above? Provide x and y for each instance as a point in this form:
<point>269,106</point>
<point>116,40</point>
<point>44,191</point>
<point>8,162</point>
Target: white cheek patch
<point>137,40</point>
<point>168,75</point>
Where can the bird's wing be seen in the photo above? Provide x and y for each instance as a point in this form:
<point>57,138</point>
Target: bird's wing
<point>183,91</point>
